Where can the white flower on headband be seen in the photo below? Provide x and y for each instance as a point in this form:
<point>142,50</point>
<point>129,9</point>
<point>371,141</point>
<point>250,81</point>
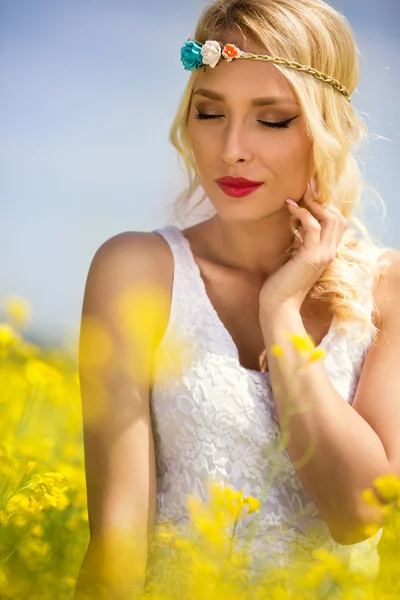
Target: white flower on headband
<point>211,53</point>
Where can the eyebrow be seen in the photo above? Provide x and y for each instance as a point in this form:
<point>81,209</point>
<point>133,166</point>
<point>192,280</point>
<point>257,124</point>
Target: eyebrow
<point>255,102</point>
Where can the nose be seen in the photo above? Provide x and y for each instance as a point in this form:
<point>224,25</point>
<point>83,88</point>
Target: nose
<point>235,144</point>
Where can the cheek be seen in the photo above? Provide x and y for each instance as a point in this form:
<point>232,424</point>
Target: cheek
<point>291,153</point>
<point>203,146</point>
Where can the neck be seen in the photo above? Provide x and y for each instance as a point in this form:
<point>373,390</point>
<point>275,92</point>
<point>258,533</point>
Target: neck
<point>257,247</point>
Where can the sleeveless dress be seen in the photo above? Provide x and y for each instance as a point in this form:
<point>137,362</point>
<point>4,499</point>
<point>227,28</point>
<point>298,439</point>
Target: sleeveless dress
<point>213,417</point>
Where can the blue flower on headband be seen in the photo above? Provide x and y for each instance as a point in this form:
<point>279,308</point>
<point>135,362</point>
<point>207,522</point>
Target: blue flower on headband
<point>191,55</point>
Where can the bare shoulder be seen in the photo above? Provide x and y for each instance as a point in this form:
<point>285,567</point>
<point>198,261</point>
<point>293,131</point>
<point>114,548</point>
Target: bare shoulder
<point>129,259</point>
<point>389,257</point>
<point>131,249</point>
<point>388,288</point>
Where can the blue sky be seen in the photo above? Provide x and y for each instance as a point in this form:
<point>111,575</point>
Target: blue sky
<point>84,123</point>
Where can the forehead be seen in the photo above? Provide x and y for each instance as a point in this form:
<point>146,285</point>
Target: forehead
<point>244,78</point>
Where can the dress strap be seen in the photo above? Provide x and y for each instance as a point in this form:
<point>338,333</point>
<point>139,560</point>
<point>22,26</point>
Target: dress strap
<point>214,335</point>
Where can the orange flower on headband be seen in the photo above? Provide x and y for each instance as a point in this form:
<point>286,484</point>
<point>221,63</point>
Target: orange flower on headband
<point>230,51</point>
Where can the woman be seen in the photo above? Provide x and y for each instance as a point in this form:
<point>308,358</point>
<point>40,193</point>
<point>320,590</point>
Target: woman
<point>278,255</point>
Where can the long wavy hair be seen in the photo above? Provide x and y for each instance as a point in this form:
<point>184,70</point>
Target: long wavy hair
<point>312,33</point>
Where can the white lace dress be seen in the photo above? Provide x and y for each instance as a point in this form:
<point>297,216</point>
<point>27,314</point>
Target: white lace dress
<point>213,417</point>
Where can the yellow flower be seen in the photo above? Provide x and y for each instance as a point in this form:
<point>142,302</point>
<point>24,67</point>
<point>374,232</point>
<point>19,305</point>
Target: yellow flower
<point>253,503</point>
<point>4,517</point>
<point>139,312</point>
<point>303,344</point>
<point>18,520</point>
<point>387,487</point>
<point>33,551</point>
<point>18,310</point>
<point>277,350</point>
<point>370,530</point>
<point>69,581</point>
<point>326,565</point>
<point>8,337</point>
<point>7,465</point>
<point>182,544</point>
<point>164,537</point>
<point>235,501</point>
<point>50,498</point>
<point>34,504</point>
<point>37,530</point>
<point>56,476</point>
<point>30,466</point>
<point>17,501</point>
<point>370,498</point>
<point>40,374</point>
<point>45,492</point>
<point>317,354</point>
<point>96,346</point>
<point>225,498</point>
<point>213,517</point>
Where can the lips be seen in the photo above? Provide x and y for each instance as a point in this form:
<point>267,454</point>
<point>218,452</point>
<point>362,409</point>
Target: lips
<point>238,181</point>
<point>238,191</point>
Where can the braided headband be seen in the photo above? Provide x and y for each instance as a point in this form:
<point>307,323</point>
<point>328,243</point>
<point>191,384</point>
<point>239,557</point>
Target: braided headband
<point>194,55</point>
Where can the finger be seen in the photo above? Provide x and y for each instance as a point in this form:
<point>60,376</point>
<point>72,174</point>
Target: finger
<point>322,213</point>
<point>330,238</point>
<point>343,221</point>
<point>330,218</point>
<point>311,226</point>
<point>310,191</point>
<point>310,197</point>
<point>332,234</point>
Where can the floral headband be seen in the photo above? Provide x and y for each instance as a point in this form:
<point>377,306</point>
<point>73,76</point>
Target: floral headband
<point>194,55</point>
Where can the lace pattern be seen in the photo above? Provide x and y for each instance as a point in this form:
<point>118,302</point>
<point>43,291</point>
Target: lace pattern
<point>214,417</point>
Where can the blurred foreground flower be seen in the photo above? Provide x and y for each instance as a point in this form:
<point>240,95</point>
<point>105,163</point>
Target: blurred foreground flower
<point>43,511</point>
<point>9,338</point>
<point>43,506</point>
<point>305,347</point>
<point>17,310</point>
<point>307,354</point>
<point>140,311</point>
<point>223,510</point>
<point>202,560</point>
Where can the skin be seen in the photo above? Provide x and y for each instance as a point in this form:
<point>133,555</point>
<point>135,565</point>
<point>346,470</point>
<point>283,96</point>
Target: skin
<point>252,233</point>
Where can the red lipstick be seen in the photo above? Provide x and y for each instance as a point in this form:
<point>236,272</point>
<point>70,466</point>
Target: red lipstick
<point>237,187</point>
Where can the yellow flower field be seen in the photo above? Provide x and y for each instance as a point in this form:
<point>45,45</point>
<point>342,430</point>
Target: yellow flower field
<point>43,514</point>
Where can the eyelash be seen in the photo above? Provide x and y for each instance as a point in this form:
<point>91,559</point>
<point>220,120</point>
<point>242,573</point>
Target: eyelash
<point>281,125</point>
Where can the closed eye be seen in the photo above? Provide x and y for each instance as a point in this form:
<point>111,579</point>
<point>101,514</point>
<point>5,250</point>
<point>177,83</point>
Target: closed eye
<point>278,125</point>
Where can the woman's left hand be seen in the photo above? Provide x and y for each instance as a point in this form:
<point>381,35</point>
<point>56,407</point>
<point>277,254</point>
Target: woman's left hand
<point>321,231</point>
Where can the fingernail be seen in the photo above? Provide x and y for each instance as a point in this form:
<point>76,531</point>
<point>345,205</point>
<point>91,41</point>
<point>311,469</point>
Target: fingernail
<point>312,184</point>
<point>292,202</point>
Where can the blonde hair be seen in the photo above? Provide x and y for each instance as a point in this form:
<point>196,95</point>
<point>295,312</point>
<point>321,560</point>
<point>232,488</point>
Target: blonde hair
<point>310,32</point>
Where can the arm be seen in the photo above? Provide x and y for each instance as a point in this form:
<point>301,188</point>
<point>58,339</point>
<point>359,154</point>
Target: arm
<point>114,369</point>
<point>355,444</point>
